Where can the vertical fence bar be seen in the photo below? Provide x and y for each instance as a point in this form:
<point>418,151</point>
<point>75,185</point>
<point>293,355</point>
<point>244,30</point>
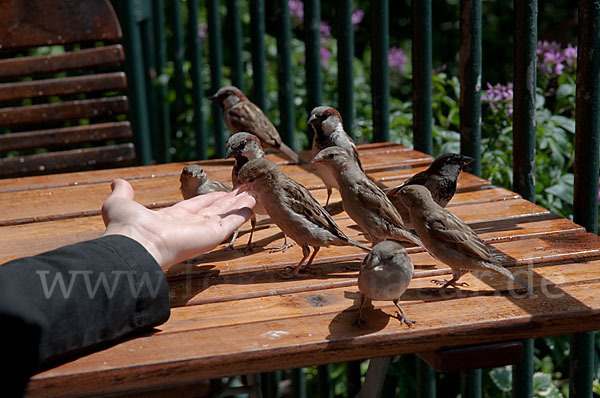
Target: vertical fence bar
<point>136,73</point>
<point>178,57</point>
<point>259,58</point>
<point>270,384</point>
<point>524,132</point>
<point>470,82</point>
<point>325,387</point>
<point>164,123</point>
<point>380,77</point>
<point>216,75</point>
<point>345,55</point>
<point>524,126</point>
<point>235,30</point>
<point>353,378</point>
<point>312,41</point>
<point>148,46</point>
<point>426,384</point>
<point>585,201</point>
<point>421,66</point>
<point>196,74</point>
<point>284,72</point>
<point>470,383</point>
<point>522,380</point>
<point>298,383</point>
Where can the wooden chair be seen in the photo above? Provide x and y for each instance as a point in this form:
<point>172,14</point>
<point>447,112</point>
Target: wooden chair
<point>60,112</point>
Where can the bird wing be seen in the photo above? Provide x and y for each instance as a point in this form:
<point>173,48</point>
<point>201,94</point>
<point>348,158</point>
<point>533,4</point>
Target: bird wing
<point>246,116</point>
<point>302,202</point>
<point>372,198</point>
<point>451,230</point>
<point>418,179</point>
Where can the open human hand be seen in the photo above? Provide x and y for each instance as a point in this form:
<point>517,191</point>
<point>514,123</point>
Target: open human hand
<point>179,232</point>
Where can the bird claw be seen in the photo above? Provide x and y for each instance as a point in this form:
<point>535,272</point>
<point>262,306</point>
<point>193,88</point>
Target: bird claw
<point>404,319</point>
<point>248,249</point>
<point>444,283</point>
<point>360,322</point>
<point>282,248</point>
<point>228,246</point>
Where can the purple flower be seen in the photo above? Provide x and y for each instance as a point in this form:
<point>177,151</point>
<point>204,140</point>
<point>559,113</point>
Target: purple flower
<point>499,98</point>
<point>325,56</point>
<point>296,9</point>
<point>202,30</point>
<point>570,55</point>
<point>325,30</point>
<point>357,16</point>
<point>397,59</point>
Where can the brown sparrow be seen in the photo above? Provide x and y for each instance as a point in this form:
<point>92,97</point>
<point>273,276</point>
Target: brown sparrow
<point>448,238</point>
<point>384,276</point>
<point>440,178</point>
<point>329,131</point>
<point>293,209</point>
<point>194,182</point>
<point>243,147</point>
<point>363,200</point>
<point>239,114</point>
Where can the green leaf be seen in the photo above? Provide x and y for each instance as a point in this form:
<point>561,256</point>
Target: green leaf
<point>564,122</point>
<point>502,378</point>
<point>565,90</point>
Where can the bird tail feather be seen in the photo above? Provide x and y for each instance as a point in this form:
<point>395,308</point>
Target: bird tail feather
<point>358,244</point>
<point>501,270</point>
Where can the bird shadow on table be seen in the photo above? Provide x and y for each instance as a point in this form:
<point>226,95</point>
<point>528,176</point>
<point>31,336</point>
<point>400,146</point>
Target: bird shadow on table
<point>344,325</point>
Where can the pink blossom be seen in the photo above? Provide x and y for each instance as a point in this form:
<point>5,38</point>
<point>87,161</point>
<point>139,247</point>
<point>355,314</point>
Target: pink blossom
<point>357,16</point>
<point>296,9</point>
<point>397,59</point>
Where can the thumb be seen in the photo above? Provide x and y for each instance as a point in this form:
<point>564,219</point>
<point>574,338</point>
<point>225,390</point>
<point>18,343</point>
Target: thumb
<point>121,189</point>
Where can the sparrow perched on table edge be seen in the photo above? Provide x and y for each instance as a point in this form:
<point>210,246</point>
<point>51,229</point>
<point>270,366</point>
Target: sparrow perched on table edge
<point>240,114</point>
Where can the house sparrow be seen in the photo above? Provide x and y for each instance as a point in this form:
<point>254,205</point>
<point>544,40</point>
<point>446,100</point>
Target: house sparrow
<point>384,275</point>
<point>363,200</point>
<point>239,114</point>
<point>243,147</point>
<point>329,131</point>
<point>293,209</point>
<point>194,182</point>
<point>440,178</point>
<point>448,238</point>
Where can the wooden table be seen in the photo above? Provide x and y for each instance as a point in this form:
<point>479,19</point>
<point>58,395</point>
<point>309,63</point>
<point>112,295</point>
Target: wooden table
<point>233,313</point>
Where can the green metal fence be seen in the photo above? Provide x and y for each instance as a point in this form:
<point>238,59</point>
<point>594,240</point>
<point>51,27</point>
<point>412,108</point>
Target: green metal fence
<point>144,25</point>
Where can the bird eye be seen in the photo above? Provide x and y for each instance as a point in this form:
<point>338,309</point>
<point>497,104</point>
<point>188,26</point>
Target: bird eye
<point>331,156</point>
<point>250,179</point>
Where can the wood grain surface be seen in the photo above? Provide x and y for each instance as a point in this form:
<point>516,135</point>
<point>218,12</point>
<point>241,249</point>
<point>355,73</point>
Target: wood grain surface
<point>234,313</point>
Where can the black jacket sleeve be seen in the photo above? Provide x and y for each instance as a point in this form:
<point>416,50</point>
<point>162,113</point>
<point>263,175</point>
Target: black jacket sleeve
<point>61,302</point>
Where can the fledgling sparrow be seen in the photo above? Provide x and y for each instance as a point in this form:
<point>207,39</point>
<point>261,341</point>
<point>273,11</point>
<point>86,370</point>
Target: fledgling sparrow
<point>384,276</point>
<point>449,239</point>
<point>194,182</point>
<point>243,147</point>
<point>329,131</point>
<point>240,114</point>
<point>363,200</point>
<point>293,209</point>
<point>440,178</point>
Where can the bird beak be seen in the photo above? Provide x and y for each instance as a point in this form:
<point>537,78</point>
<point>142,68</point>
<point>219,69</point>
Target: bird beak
<point>214,97</point>
<point>317,159</point>
<point>230,153</point>
<point>467,160</point>
<point>243,187</point>
<point>312,119</point>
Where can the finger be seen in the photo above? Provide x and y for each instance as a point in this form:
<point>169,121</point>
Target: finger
<point>121,189</point>
<point>234,219</point>
<point>201,202</point>
<point>231,202</point>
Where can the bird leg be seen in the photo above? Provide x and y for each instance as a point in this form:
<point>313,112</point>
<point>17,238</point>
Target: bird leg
<point>452,282</point>
<point>230,244</point>
<point>286,245</point>
<point>364,301</point>
<point>310,260</point>
<point>296,270</point>
<point>402,316</point>
<point>249,245</point>
<point>329,189</point>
